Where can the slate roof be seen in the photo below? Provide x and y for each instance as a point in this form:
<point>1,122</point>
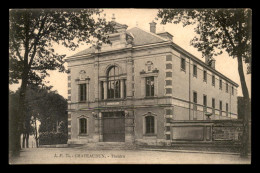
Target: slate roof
<point>86,51</point>
<point>141,37</point>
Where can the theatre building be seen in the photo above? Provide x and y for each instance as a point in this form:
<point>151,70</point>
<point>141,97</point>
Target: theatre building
<point>131,90</point>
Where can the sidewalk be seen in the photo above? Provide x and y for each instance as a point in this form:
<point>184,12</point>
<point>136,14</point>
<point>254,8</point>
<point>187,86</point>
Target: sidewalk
<point>118,146</point>
<point>82,155</point>
<point>189,151</point>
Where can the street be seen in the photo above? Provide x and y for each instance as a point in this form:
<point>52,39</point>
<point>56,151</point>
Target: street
<point>82,155</point>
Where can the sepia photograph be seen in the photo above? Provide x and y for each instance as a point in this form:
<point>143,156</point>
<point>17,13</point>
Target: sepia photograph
<point>129,86</point>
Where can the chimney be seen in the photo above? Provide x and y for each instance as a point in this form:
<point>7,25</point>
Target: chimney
<point>213,62</point>
<point>113,18</point>
<point>210,61</point>
<point>165,35</point>
<point>153,27</point>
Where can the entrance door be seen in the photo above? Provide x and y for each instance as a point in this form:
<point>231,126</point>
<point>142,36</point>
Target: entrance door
<point>113,126</point>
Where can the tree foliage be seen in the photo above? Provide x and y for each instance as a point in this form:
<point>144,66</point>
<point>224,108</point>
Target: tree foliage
<point>48,106</point>
<point>217,29</point>
<point>33,34</point>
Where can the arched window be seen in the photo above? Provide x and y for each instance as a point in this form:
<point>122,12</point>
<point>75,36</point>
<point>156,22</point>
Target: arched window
<point>113,83</point>
<point>149,121</point>
<point>82,125</point>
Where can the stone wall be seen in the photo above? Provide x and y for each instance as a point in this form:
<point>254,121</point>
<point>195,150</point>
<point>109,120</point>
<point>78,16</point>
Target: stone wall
<point>215,132</point>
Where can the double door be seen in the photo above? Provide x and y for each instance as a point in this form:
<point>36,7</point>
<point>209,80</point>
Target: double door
<point>113,126</point>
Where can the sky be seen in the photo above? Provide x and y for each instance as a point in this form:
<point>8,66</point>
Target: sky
<point>141,18</point>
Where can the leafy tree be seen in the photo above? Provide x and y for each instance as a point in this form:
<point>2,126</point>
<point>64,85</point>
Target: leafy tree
<point>43,105</point>
<point>218,30</point>
<point>32,35</point>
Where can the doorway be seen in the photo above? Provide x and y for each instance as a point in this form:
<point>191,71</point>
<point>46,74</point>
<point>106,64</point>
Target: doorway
<point>113,126</point>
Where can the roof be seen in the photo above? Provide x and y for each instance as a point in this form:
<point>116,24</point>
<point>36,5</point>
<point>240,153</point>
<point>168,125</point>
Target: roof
<point>86,51</point>
<point>142,37</point>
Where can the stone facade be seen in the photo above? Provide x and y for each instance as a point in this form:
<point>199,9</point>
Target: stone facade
<point>140,54</point>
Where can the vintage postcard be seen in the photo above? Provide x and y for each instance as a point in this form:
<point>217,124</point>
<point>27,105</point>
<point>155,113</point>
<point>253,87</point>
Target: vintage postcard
<point>130,86</point>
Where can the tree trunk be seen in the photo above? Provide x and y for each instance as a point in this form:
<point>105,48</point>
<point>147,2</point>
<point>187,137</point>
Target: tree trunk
<point>16,146</point>
<point>23,145</point>
<point>27,140</point>
<point>245,137</point>
<point>36,133</point>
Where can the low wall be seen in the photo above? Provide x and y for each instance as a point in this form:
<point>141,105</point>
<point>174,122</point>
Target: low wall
<point>211,132</point>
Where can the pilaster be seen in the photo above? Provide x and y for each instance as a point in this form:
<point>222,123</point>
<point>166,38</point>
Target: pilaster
<point>129,65</point>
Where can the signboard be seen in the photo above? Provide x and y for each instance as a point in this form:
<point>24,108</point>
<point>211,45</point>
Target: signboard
<point>187,133</point>
<point>226,133</point>
<point>113,103</point>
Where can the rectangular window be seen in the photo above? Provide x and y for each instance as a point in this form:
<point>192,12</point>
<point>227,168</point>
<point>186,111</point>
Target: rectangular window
<point>183,64</point>
<point>168,58</point>
<point>82,92</point>
<point>232,90</point>
<point>168,82</point>
<point>168,74</point>
<point>194,97</point>
<point>125,88</point>
<point>204,100</point>
<point>168,128</point>
<point>194,70</point>
<point>168,137</point>
<point>102,90</point>
<point>168,66</point>
<point>150,86</point>
<point>204,103</point>
<point>220,84</point>
<point>213,106</point>
<point>205,76</point>
<point>213,80</point>
<point>149,124</point>
<point>69,78</point>
<point>220,108</point>
<point>213,103</point>
<point>83,125</point>
<point>168,91</point>
<point>195,101</point>
<point>226,109</point>
<point>226,87</point>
